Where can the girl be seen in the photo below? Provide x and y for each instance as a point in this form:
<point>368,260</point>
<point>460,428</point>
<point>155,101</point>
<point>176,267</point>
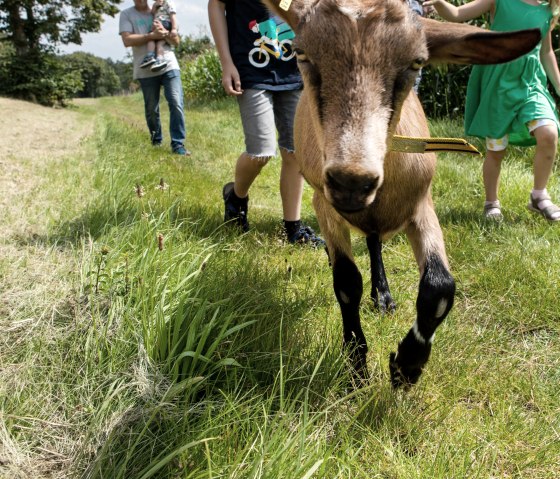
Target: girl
<point>510,103</point>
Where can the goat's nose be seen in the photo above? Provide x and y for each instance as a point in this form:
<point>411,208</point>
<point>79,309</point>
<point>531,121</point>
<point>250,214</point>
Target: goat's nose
<point>350,191</point>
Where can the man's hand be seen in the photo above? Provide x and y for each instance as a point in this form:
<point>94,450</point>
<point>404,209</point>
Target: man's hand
<point>158,30</point>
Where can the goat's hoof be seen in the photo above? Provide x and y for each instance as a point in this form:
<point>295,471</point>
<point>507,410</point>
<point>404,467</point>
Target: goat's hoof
<point>403,376</point>
<point>384,304</point>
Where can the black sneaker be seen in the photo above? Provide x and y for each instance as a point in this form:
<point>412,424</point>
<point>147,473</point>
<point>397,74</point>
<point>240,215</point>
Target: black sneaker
<point>235,208</point>
<point>148,60</point>
<point>306,235</point>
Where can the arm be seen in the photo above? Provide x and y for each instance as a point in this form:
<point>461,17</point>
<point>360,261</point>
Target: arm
<point>548,59</point>
<point>451,13</point>
<point>173,32</point>
<point>217,18</point>
<point>138,39</point>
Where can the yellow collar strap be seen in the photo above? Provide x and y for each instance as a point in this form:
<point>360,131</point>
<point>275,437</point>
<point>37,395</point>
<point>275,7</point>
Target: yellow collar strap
<point>285,5</point>
<point>407,144</point>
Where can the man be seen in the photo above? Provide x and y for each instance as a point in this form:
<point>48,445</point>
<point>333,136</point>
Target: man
<point>136,30</point>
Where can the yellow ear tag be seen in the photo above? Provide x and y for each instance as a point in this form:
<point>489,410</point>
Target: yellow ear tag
<point>285,4</point>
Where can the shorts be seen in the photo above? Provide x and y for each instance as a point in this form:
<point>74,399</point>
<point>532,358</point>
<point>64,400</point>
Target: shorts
<point>500,144</point>
<point>263,113</point>
<point>166,24</point>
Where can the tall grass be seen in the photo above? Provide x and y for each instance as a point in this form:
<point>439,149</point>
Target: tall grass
<point>193,352</point>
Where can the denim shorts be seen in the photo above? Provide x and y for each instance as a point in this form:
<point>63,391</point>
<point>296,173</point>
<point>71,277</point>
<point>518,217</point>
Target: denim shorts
<point>263,112</point>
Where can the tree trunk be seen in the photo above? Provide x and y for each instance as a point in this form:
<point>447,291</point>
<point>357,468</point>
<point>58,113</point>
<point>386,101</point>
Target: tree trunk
<point>17,26</point>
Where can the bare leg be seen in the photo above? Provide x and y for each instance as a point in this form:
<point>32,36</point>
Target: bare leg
<point>491,173</point>
<point>247,169</point>
<point>151,46</point>
<point>291,186</point>
<point>159,47</point>
<point>547,141</point>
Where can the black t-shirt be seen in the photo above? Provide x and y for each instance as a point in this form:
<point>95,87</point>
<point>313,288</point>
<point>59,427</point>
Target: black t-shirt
<point>261,47</point>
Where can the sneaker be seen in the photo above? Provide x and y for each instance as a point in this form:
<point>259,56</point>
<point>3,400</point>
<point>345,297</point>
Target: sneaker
<point>235,211</point>
<point>148,60</point>
<point>159,64</point>
<point>306,235</point>
<point>156,144</point>
<point>181,150</point>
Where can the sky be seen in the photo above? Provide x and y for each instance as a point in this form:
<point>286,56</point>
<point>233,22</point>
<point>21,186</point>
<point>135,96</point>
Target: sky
<point>192,16</point>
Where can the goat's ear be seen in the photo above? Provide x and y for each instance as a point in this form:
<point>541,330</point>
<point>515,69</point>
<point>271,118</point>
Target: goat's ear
<point>290,10</point>
<point>465,44</point>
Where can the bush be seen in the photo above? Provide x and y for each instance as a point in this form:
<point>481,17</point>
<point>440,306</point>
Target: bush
<point>443,90</point>
<point>40,77</point>
<point>202,77</point>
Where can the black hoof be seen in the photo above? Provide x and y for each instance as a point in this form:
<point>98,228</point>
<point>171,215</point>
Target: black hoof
<point>403,376</point>
<point>384,304</point>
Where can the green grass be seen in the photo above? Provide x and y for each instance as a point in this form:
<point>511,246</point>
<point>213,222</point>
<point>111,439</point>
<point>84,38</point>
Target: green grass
<point>219,355</point>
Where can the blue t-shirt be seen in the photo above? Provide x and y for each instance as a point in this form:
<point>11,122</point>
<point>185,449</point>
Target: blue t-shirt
<point>261,47</point>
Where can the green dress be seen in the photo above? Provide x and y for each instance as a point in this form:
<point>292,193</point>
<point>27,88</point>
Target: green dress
<point>501,99</point>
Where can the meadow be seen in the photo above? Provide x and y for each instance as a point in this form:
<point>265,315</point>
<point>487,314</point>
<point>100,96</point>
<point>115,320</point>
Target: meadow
<point>143,339</point>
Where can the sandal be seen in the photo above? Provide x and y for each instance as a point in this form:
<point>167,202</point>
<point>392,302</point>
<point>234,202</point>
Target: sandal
<point>492,211</point>
<point>551,212</point>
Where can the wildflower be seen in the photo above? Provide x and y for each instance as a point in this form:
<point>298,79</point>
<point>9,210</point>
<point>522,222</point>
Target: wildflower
<point>162,185</point>
<point>139,189</point>
<point>105,250</point>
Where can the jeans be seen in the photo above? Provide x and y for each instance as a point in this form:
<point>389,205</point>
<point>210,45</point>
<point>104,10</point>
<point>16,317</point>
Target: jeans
<point>173,91</point>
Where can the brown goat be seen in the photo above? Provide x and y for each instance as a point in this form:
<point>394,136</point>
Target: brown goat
<point>359,60</point>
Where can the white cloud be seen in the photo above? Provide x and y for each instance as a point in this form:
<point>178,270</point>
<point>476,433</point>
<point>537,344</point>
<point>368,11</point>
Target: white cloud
<point>192,16</point>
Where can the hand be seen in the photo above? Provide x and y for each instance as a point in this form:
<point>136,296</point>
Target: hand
<point>159,3</point>
<point>231,81</point>
<point>173,33</point>
<point>159,31</point>
<point>429,5</point>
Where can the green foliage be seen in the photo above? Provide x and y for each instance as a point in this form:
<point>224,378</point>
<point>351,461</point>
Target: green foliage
<point>202,77</point>
<point>98,76</point>
<point>34,28</point>
<point>39,77</point>
<point>35,22</point>
<point>123,71</point>
<point>192,46</point>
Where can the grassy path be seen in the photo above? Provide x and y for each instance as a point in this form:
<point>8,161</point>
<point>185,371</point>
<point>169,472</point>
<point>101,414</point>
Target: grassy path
<point>142,339</point>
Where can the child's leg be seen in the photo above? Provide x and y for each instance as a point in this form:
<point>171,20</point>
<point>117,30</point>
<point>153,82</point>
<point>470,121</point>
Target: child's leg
<point>159,48</point>
<point>151,46</point>
<point>291,186</point>
<point>547,141</point>
<point>546,134</point>
<point>495,152</point>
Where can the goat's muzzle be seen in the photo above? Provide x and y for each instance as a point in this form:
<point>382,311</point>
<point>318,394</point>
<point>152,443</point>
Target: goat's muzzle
<point>349,191</point>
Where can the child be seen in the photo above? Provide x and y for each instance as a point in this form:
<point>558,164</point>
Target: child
<point>267,95</point>
<point>510,103</point>
<point>165,13</point>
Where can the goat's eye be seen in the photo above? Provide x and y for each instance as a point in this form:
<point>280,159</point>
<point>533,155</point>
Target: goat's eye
<point>417,64</point>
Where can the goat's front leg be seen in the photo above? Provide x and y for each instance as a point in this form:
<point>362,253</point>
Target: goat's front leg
<point>435,298</point>
<point>380,294</point>
<point>347,282</point>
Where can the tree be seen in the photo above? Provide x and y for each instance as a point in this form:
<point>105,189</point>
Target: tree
<point>98,75</point>
<point>33,29</point>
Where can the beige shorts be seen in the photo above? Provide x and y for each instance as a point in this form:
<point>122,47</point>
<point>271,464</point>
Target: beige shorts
<point>500,144</point>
